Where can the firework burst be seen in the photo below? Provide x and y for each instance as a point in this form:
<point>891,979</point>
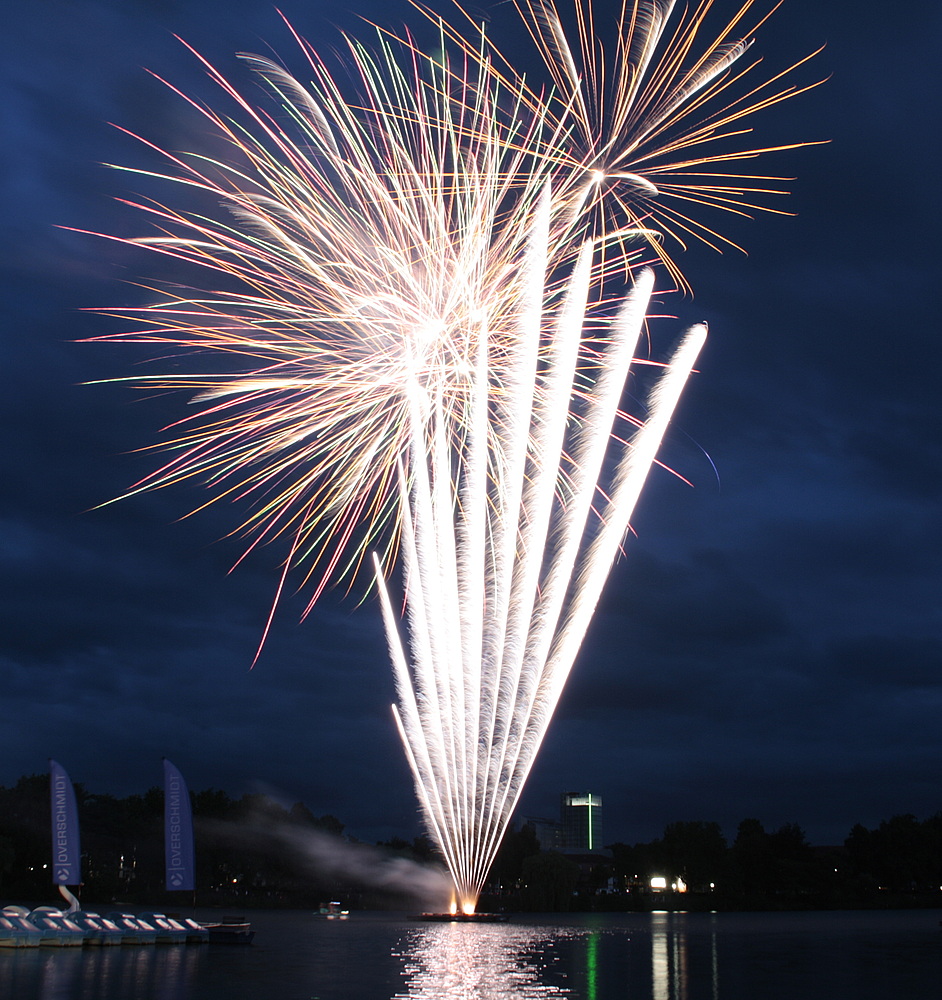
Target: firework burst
<point>401,288</point>
<point>655,110</point>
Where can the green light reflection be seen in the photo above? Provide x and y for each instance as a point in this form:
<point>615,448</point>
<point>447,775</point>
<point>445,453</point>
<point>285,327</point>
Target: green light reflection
<point>591,965</point>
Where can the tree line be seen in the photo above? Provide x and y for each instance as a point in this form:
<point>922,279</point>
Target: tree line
<point>898,863</point>
<point>249,851</point>
<point>252,851</point>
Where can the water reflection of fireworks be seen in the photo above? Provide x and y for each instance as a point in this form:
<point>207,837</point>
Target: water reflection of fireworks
<point>458,961</point>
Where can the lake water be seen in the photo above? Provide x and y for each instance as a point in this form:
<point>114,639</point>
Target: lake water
<point>880,955</point>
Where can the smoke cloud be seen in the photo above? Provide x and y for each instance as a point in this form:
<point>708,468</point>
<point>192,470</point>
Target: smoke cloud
<point>326,857</point>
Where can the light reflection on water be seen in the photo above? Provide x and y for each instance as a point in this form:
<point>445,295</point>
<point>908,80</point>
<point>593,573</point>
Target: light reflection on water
<point>520,962</point>
<point>642,956</point>
<point>669,966</point>
<point>439,961</point>
<point>166,973</point>
<point>456,961</point>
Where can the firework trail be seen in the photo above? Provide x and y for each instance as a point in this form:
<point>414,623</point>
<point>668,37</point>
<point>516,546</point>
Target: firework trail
<point>420,352</point>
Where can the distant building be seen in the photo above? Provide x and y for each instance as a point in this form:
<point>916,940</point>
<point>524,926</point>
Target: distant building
<point>547,831</point>
<point>578,830</point>
<point>580,817</point>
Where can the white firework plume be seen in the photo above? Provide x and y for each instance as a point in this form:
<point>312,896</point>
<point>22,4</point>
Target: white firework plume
<point>510,527</point>
<point>420,352</point>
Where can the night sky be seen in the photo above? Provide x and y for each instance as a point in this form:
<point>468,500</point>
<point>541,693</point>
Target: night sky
<point>769,647</point>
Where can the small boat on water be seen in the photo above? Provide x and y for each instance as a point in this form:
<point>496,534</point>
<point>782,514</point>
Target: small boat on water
<point>195,933</point>
<point>134,930</point>
<point>169,929</point>
<point>230,930</point>
<point>98,930</point>
<point>334,910</point>
<point>56,928</point>
<point>16,931</point>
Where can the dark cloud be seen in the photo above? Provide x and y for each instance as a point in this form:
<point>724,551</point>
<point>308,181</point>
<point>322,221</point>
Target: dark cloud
<point>876,662</point>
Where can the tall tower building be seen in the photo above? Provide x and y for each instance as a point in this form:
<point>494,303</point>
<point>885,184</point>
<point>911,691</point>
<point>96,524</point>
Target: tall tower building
<point>581,817</point>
